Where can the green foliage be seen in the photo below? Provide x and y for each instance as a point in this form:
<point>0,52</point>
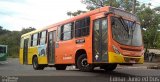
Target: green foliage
<point>3,31</point>
<point>75,13</point>
<point>12,39</point>
<point>93,4</point>
<point>150,19</point>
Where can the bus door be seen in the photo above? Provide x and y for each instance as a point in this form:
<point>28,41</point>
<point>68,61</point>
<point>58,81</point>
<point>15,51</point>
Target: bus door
<point>100,40</point>
<point>25,51</point>
<point>51,46</point>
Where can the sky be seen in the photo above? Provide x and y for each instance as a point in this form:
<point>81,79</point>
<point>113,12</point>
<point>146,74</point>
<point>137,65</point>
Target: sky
<point>18,14</point>
<point>154,3</point>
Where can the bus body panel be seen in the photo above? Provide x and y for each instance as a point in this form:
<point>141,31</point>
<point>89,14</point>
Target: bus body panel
<point>21,56</point>
<point>85,46</point>
<point>65,51</point>
<point>31,52</point>
<point>34,51</point>
<point>42,60</point>
<point>3,56</point>
<point>65,54</point>
<point>119,58</point>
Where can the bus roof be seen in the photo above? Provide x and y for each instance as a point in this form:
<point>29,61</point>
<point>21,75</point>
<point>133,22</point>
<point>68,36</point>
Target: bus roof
<point>102,9</point>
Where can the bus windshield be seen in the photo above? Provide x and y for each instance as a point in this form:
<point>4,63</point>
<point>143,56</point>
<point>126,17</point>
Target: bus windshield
<point>2,49</point>
<point>126,32</point>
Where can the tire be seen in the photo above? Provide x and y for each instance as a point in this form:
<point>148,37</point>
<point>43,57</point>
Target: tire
<point>60,67</point>
<point>83,65</point>
<point>109,67</point>
<point>35,64</point>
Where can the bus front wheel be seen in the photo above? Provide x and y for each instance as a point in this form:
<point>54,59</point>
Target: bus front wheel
<point>82,63</point>
<point>36,66</point>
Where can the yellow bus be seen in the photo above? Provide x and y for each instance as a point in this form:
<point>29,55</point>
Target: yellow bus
<point>101,38</point>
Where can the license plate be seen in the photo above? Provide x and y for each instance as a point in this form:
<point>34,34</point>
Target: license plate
<point>132,61</point>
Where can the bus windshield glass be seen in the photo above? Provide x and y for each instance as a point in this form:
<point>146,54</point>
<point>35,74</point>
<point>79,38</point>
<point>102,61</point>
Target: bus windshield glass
<point>2,49</point>
<point>126,32</point>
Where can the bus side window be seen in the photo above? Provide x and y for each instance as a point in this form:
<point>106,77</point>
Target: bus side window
<point>43,37</point>
<point>46,36</point>
<point>39,38</point>
<point>31,40</point>
<point>82,27</point>
<point>66,33</point>
<point>34,40</point>
<point>59,33</point>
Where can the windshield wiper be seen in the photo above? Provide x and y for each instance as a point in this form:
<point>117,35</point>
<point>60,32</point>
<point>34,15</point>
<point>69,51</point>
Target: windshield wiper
<point>126,28</point>
<point>133,26</point>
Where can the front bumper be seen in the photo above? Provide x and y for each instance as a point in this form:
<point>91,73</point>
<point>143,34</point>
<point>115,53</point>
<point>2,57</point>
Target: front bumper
<point>118,58</point>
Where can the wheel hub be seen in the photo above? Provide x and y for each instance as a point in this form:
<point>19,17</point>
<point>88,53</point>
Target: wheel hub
<point>84,62</point>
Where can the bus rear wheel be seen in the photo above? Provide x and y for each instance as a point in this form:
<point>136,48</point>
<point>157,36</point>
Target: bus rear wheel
<point>109,67</point>
<point>82,63</point>
<point>60,67</point>
<point>35,64</point>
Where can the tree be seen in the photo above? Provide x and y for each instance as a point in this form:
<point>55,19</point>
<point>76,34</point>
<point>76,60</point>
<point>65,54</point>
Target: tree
<point>3,31</point>
<point>93,4</point>
<point>150,20</point>
<point>25,30</point>
<point>12,39</point>
<point>75,13</point>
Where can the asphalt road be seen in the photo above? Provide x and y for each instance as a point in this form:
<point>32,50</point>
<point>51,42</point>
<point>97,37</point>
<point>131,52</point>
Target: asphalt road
<point>25,73</point>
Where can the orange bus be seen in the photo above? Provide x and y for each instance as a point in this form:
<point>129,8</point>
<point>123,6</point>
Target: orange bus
<point>102,38</point>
